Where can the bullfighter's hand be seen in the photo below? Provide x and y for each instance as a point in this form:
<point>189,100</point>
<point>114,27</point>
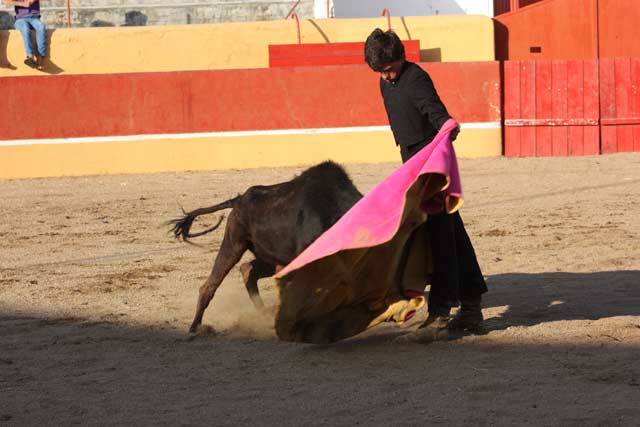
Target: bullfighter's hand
<point>455,132</point>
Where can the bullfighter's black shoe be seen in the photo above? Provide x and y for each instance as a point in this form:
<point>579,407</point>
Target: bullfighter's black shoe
<point>468,318</point>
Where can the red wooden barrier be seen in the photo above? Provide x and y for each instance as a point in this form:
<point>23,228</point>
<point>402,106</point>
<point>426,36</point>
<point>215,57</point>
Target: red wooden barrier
<point>229,100</point>
<point>293,55</point>
<point>620,104</point>
<point>551,108</point>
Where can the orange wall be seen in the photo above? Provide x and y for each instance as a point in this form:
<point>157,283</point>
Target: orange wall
<point>569,29</point>
<point>504,6</point>
<point>563,29</point>
<point>229,100</point>
<point>618,22</point>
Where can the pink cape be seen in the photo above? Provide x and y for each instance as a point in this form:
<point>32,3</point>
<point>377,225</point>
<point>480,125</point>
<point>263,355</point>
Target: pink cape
<point>360,270</point>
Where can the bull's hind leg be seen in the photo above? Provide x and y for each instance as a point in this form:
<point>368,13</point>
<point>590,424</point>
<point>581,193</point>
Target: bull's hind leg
<point>231,250</point>
<point>253,271</point>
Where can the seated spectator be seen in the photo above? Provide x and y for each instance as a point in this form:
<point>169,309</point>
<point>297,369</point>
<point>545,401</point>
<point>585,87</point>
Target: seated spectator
<point>28,17</point>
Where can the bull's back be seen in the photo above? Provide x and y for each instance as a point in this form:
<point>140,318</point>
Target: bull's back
<point>283,219</point>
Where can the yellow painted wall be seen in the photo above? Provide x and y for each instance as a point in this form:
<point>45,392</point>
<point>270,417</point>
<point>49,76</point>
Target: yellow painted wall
<point>236,45</point>
<point>146,156</point>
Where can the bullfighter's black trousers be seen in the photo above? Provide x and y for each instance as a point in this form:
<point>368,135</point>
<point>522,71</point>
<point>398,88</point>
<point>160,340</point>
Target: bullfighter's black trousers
<point>456,274</point>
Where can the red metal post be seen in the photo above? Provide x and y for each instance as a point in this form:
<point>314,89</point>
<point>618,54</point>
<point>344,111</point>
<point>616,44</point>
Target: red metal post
<point>68,13</point>
<point>295,16</point>
<point>385,11</point>
<point>292,9</point>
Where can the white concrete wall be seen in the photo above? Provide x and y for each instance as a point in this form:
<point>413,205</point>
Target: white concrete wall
<point>373,8</point>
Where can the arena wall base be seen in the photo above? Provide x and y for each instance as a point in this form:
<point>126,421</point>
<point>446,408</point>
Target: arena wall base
<point>219,153</point>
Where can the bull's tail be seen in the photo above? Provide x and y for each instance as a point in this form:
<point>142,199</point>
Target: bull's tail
<point>180,227</point>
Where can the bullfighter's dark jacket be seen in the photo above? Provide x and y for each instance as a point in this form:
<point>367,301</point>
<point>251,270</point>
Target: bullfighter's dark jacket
<point>413,106</point>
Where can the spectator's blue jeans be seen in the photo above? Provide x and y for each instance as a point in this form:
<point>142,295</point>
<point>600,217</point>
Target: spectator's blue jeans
<point>24,25</point>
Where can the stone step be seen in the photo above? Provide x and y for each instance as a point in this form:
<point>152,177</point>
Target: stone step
<point>91,13</point>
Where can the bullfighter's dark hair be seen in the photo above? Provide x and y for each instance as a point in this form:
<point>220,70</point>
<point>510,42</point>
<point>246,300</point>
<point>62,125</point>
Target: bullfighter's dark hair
<point>382,48</point>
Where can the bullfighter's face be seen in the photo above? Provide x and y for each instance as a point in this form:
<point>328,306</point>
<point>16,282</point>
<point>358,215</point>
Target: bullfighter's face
<point>391,72</point>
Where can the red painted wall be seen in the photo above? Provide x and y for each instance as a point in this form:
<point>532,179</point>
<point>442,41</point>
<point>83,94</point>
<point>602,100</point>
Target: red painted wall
<point>306,54</point>
<point>551,108</point>
<point>576,107</point>
<point>602,33</point>
<point>620,104</point>
<point>228,100</point>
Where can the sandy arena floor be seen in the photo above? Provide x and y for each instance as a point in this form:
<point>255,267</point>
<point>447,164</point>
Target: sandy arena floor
<point>96,298</point>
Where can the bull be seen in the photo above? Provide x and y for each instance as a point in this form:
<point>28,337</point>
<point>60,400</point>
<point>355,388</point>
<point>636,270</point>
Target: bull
<point>274,222</point>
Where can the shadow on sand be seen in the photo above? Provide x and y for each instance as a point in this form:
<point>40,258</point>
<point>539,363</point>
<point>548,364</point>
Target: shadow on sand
<point>536,298</point>
<point>73,370</point>
<point>544,297</point>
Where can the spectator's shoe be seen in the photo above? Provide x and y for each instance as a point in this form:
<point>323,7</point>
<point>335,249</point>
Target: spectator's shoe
<point>31,62</point>
<point>435,328</point>
<point>40,63</point>
<point>469,318</point>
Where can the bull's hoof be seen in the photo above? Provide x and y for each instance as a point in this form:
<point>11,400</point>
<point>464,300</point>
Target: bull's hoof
<point>201,331</point>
